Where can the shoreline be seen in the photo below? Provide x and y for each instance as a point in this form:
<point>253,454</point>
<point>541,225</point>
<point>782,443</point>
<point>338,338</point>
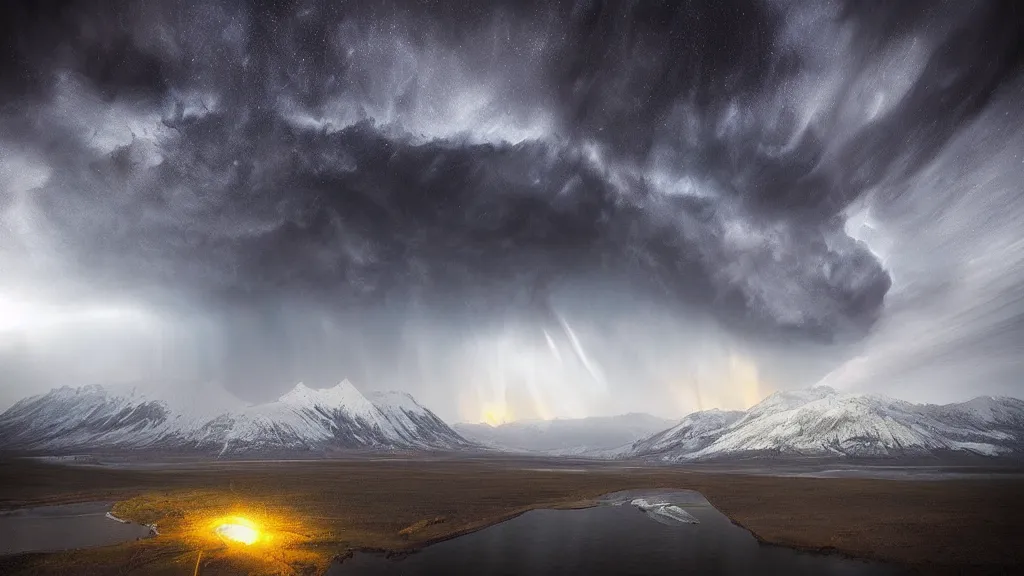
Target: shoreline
<point>399,552</point>
<point>476,527</point>
<point>332,509</point>
<point>417,546</point>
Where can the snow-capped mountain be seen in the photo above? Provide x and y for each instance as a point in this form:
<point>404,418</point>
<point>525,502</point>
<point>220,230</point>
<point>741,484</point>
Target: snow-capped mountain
<point>822,422</point>
<point>694,432</point>
<point>592,436</point>
<point>304,419</point>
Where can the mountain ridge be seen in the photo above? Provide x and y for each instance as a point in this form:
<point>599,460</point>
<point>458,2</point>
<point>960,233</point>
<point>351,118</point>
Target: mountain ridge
<point>820,421</point>
<point>302,420</point>
<point>817,422</point>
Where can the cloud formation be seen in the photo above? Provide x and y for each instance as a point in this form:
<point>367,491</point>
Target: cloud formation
<point>311,190</point>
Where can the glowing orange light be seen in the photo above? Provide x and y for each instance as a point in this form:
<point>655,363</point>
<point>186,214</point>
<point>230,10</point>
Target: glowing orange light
<point>238,530</point>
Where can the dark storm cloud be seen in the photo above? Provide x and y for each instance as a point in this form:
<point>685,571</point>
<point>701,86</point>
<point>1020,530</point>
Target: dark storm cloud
<point>231,195</point>
<point>463,163</point>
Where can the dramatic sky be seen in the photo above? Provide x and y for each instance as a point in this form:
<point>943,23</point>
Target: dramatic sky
<point>515,209</point>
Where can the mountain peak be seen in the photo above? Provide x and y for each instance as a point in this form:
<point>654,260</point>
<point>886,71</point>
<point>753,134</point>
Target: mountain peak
<point>343,395</point>
<point>301,391</point>
<point>820,421</point>
<point>296,394</point>
<point>345,385</point>
<point>304,418</point>
<point>786,399</point>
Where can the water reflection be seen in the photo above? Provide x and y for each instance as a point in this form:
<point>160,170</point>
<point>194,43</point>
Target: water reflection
<point>615,538</point>
<point>65,527</point>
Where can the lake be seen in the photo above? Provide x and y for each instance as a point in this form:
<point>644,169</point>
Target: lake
<point>617,537</point>
<point>64,527</point>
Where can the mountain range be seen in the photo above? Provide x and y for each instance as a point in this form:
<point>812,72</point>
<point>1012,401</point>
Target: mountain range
<point>815,422</point>
<point>821,422</point>
<point>94,418</point>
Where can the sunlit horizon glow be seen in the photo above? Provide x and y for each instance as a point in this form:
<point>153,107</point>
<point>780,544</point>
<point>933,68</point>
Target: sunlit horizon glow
<point>495,415</point>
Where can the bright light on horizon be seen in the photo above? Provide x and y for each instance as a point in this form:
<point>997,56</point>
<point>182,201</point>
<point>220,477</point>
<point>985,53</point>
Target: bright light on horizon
<point>494,415</point>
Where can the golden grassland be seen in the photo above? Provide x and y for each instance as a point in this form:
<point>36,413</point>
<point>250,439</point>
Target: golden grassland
<point>310,512</point>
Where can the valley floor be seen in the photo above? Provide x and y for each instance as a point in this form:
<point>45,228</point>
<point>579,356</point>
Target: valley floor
<point>313,511</point>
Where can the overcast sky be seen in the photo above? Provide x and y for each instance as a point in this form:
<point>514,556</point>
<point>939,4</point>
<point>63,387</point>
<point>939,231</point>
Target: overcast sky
<point>514,210</point>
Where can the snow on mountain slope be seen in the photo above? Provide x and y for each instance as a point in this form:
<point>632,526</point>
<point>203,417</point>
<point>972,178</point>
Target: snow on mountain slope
<point>822,422</point>
<point>414,424</point>
<point>985,413</point>
<point>80,416</point>
<point>693,433</point>
<point>342,397</point>
<point>595,436</point>
<point>304,419</point>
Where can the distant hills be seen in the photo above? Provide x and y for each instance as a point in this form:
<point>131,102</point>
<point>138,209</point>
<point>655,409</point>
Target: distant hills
<point>595,436</point>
